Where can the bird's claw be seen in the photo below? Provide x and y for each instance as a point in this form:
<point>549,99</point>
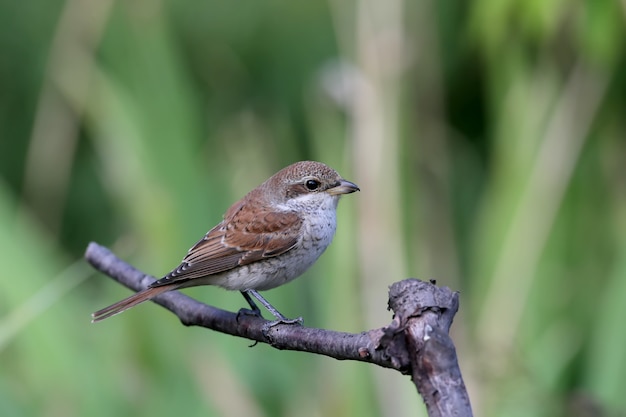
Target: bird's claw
<point>267,326</point>
<point>248,312</point>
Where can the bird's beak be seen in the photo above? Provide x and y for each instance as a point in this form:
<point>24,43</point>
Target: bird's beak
<point>344,187</point>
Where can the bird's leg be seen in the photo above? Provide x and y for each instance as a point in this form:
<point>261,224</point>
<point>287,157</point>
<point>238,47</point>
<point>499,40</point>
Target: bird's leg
<point>253,306</point>
<point>254,309</point>
<point>265,303</point>
<point>279,317</point>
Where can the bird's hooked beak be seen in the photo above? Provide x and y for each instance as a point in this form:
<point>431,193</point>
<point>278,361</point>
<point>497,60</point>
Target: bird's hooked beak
<point>343,187</point>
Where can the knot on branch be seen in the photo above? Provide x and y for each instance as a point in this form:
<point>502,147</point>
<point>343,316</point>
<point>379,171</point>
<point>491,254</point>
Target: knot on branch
<point>412,299</point>
<point>418,340</point>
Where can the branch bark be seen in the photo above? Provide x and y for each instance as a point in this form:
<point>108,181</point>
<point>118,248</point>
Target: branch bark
<point>415,343</point>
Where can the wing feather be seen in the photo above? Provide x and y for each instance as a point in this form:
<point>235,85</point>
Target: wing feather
<point>243,237</point>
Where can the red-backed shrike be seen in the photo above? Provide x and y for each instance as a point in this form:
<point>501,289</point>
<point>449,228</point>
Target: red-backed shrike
<point>266,239</point>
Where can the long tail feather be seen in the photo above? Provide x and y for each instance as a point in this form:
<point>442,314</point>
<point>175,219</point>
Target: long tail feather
<point>129,302</point>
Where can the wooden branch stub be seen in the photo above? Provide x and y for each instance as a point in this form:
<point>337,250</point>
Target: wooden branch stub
<point>423,316</point>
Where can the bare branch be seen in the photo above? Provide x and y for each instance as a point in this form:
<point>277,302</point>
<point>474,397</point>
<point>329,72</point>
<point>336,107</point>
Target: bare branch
<point>416,342</point>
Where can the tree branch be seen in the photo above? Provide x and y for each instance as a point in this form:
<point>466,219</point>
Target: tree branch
<point>416,342</point>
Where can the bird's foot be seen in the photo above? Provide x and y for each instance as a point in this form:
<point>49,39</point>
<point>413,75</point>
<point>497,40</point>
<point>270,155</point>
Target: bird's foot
<point>280,319</point>
<point>267,326</point>
<point>248,312</point>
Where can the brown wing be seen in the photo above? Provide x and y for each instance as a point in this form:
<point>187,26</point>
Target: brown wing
<point>245,236</point>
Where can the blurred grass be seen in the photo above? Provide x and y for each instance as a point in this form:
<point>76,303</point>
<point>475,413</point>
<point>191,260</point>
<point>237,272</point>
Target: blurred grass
<point>487,138</point>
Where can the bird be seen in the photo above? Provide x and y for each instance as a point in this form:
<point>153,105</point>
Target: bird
<point>266,239</point>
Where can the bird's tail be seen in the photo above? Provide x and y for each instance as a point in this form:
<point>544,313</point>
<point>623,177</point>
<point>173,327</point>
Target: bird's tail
<point>129,302</point>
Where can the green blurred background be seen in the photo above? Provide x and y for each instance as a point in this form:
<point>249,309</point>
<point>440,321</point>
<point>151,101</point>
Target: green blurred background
<point>488,138</point>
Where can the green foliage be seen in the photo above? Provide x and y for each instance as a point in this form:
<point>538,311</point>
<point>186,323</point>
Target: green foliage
<point>487,138</point>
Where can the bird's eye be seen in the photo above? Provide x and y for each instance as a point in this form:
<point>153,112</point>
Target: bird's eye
<point>312,185</point>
